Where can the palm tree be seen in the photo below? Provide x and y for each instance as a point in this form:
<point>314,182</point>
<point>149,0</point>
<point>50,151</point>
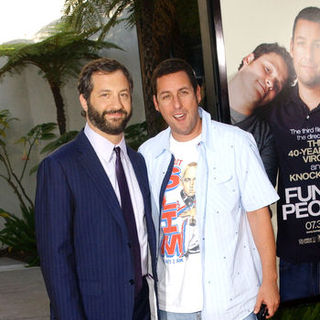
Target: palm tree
<point>157,30</point>
<point>58,57</point>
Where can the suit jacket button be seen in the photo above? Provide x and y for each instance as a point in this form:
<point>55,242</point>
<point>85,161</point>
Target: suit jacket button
<point>131,281</point>
<point>129,245</point>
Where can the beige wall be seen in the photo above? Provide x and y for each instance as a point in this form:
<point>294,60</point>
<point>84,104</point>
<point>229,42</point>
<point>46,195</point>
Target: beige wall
<point>247,23</point>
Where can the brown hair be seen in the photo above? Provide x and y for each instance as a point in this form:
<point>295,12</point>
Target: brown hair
<point>265,48</point>
<point>171,66</point>
<point>104,65</point>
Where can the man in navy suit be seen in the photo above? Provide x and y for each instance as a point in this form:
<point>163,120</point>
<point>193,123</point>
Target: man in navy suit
<point>94,262</point>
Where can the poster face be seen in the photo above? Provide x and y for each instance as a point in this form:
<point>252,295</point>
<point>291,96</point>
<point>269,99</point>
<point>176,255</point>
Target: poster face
<point>274,93</point>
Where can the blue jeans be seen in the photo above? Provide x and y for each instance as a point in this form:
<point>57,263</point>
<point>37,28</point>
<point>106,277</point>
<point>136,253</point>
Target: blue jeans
<point>164,315</point>
<point>299,280</point>
<point>251,316</point>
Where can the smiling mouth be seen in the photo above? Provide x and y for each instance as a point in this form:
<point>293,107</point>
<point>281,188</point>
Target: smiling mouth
<point>115,113</point>
<point>179,116</point>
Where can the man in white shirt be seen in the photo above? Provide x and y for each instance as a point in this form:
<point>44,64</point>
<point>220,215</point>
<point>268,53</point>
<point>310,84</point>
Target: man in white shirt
<point>93,215</point>
<point>233,272</point>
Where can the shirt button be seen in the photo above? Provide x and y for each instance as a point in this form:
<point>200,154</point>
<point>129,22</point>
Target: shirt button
<point>131,281</point>
<point>308,117</point>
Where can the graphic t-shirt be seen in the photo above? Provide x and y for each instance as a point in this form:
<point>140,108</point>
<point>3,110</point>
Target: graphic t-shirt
<point>179,266</point>
<point>297,135</point>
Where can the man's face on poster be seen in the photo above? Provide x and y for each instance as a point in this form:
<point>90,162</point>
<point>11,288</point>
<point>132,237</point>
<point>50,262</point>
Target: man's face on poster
<point>305,52</point>
<point>189,180</point>
<point>263,77</point>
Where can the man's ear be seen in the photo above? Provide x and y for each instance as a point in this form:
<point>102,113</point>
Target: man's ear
<point>198,94</point>
<point>83,102</point>
<point>291,47</point>
<point>155,102</point>
<point>248,59</point>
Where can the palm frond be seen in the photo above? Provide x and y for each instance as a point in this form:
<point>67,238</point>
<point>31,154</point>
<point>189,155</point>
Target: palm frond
<point>82,15</point>
<point>57,56</point>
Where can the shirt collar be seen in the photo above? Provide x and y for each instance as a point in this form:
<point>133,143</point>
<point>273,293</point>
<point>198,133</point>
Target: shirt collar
<point>102,146</point>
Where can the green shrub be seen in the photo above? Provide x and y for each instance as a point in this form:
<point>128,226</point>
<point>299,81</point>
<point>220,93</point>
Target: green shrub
<point>19,235</point>
<point>305,311</point>
<point>136,134</point>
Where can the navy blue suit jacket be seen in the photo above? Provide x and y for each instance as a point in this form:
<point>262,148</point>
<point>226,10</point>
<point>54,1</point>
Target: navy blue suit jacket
<point>82,236</point>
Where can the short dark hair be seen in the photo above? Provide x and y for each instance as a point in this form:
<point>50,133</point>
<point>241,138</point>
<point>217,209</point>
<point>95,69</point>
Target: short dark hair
<point>265,48</point>
<point>173,65</point>
<point>310,14</point>
<point>103,65</point>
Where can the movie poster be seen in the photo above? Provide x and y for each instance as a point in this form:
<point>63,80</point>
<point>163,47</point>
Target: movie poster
<point>274,93</point>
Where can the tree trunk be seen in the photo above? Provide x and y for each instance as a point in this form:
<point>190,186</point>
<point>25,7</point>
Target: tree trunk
<point>61,118</point>
<point>156,26</point>
<point>148,62</point>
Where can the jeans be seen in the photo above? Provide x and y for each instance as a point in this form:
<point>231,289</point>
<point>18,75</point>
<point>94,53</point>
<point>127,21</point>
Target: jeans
<point>299,280</point>
<point>251,316</point>
<point>164,315</point>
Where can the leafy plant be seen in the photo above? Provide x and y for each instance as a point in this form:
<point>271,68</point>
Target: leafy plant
<point>41,132</point>
<point>55,144</point>
<point>305,311</point>
<point>136,134</point>
<point>19,235</point>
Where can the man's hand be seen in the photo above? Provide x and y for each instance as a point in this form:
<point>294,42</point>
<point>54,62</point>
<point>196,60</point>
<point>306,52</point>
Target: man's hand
<point>263,236</point>
<point>269,295</point>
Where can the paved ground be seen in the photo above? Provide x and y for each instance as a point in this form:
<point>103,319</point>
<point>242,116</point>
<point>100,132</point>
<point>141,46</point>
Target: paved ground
<point>22,292</point>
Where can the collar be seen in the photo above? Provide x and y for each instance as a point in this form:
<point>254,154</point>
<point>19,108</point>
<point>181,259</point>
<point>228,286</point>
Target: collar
<point>294,98</point>
<point>102,146</point>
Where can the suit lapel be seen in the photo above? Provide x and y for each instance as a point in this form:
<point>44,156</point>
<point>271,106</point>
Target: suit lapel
<point>141,174</point>
<point>139,171</point>
<point>90,163</point>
